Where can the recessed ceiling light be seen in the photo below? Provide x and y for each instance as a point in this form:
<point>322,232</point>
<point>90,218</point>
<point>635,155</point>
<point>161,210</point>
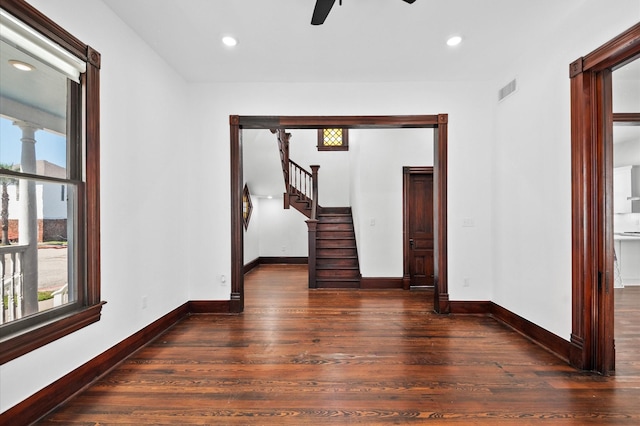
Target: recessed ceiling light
<point>454,41</point>
<point>229,41</point>
<point>22,66</point>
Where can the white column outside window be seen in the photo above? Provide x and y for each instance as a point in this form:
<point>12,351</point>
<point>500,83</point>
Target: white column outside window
<point>28,219</point>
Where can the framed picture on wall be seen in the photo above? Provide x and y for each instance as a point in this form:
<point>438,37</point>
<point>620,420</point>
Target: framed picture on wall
<point>247,207</point>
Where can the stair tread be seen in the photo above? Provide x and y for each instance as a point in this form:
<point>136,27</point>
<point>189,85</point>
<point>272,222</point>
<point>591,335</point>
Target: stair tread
<point>338,279</point>
<point>346,210</point>
<point>338,268</point>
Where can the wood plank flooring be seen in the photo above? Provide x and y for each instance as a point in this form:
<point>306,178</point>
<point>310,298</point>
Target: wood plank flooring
<point>370,357</point>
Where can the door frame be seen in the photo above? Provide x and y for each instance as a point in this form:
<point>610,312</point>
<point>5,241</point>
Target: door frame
<point>406,262</point>
<point>437,122</point>
<point>592,343</point>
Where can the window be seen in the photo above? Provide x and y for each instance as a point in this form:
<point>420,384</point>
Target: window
<point>49,176</point>
<point>333,139</point>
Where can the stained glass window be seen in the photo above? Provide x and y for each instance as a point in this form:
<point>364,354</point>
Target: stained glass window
<point>333,140</point>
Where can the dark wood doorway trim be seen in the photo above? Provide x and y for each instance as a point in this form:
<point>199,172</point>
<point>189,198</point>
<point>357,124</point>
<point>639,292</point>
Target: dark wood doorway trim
<point>437,122</point>
<point>592,344</point>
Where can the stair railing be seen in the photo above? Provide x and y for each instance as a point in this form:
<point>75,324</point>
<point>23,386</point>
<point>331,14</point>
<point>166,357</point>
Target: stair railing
<point>300,180</point>
<point>304,184</point>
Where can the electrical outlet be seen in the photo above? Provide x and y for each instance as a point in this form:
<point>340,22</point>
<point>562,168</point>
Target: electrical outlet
<point>467,222</point>
<point>144,302</point>
<point>466,282</point>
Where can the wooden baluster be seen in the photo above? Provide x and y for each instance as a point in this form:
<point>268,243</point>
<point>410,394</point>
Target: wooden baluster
<point>306,179</point>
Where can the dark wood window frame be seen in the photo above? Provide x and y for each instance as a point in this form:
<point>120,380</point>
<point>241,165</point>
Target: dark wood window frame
<point>437,122</point>
<point>61,322</point>
<point>592,330</point>
<point>343,147</point>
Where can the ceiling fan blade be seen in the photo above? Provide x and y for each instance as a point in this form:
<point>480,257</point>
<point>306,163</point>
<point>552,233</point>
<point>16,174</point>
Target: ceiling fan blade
<point>321,11</point>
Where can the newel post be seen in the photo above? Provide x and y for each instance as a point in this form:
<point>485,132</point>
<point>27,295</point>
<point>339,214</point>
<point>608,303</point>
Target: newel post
<point>313,227</point>
<point>314,198</point>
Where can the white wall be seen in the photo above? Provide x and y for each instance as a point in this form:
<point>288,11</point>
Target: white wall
<point>377,193</point>
<point>49,205</point>
<point>333,175</point>
<point>145,137</point>
<point>626,88</point>
<point>283,232</point>
<point>531,205</point>
<point>53,206</point>
<point>626,98</point>
<point>49,202</point>
<point>627,153</point>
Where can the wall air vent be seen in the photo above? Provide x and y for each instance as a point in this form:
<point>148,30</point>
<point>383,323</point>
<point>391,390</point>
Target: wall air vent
<point>507,90</point>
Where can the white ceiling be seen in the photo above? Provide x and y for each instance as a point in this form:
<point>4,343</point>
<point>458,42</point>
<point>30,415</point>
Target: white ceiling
<point>362,40</point>
<point>43,89</point>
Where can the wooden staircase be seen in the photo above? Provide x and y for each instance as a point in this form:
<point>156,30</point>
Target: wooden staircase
<point>337,263</point>
<point>333,254</point>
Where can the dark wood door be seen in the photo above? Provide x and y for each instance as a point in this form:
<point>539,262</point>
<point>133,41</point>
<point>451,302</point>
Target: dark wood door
<point>418,226</point>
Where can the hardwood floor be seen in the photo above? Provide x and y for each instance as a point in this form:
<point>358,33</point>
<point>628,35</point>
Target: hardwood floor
<point>355,357</point>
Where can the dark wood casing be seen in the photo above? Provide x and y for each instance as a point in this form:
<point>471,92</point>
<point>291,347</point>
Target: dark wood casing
<point>592,338</point>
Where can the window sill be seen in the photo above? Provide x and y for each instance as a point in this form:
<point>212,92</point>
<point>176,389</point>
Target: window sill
<point>333,148</point>
<point>20,343</point>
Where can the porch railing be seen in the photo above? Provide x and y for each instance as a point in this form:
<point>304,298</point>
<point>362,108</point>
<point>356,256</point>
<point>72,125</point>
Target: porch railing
<point>11,277</point>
